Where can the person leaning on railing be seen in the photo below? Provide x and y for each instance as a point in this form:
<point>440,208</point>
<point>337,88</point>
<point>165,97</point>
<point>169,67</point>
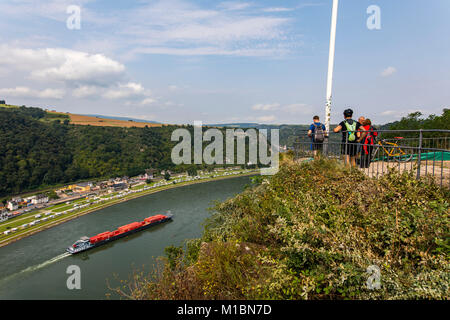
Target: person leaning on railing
<point>367,139</point>
<point>317,133</point>
<point>358,154</point>
<point>349,145</point>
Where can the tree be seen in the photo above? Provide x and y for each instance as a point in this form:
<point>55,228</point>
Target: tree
<point>192,171</point>
<point>52,195</point>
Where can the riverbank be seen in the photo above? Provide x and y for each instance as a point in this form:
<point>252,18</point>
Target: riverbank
<point>75,215</point>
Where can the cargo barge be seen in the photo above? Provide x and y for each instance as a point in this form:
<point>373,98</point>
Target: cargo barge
<point>86,243</point>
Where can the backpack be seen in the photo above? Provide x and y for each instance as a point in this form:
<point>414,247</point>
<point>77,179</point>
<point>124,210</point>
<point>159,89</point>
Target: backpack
<point>351,129</point>
<point>319,134</point>
<point>369,139</point>
<point>374,133</point>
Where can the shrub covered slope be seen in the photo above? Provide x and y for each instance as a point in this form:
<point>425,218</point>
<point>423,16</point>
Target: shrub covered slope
<point>310,232</point>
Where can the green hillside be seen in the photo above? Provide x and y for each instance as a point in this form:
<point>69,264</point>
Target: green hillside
<point>40,149</point>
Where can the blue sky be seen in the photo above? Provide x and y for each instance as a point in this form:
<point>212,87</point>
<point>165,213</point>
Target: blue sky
<point>176,61</point>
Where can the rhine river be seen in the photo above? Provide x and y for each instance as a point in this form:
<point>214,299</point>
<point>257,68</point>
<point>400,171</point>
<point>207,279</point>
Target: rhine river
<point>35,267</point>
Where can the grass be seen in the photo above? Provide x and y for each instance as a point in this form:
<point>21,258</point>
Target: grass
<point>311,232</point>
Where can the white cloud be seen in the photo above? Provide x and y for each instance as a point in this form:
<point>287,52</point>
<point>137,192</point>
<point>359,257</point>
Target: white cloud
<point>390,113</point>
<point>389,71</point>
<point>298,108</point>
<point>88,75</point>
<point>295,108</point>
<point>208,51</point>
<point>79,67</point>
<point>86,91</point>
<point>80,74</point>
<point>266,107</point>
<point>228,29</point>
<point>25,92</point>
<point>130,90</point>
<point>64,65</point>
<point>173,104</point>
<point>153,27</point>
<point>127,90</point>
<point>148,101</point>
<point>278,9</point>
<point>266,118</point>
<point>399,113</point>
<point>49,9</point>
<point>234,6</point>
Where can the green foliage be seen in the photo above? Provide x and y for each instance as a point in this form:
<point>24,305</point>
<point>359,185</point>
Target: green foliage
<point>36,154</point>
<point>311,231</point>
<point>32,153</point>
<point>256,180</point>
<point>173,254</point>
<point>40,150</point>
<point>192,171</point>
<point>52,195</point>
<point>414,122</point>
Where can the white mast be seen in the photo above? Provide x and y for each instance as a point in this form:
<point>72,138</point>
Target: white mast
<point>331,64</point>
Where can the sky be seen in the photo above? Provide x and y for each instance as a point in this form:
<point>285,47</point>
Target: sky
<point>265,61</point>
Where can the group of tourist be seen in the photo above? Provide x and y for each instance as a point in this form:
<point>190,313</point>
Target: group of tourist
<point>358,138</point>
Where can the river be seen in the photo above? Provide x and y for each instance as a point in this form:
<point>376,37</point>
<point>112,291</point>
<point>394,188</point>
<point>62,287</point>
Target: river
<point>35,267</point>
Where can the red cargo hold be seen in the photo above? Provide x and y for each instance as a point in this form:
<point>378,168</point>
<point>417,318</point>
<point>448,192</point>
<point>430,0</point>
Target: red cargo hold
<point>126,228</point>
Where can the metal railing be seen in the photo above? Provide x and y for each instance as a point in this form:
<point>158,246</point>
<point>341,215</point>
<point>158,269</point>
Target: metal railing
<point>427,152</point>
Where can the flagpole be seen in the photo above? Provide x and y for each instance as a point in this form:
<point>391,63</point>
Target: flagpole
<point>331,65</point>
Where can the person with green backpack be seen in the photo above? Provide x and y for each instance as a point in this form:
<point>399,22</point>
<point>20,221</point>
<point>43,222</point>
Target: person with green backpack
<point>349,145</point>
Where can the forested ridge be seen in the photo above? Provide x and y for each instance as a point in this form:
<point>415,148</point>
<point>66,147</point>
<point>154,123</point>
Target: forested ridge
<point>415,121</point>
<point>40,149</point>
<point>35,154</point>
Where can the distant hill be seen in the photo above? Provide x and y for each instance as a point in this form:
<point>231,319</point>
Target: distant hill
<point>92,120</point>
<point>120,118</point>
<point>234,125</point>
<point>107,121</point>
<point>288,132</point>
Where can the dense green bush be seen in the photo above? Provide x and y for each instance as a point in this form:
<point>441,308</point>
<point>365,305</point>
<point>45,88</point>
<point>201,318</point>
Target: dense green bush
<point>310,232</point>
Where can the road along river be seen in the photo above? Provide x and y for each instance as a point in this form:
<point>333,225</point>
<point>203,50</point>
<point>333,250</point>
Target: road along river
<point>35,267</point>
